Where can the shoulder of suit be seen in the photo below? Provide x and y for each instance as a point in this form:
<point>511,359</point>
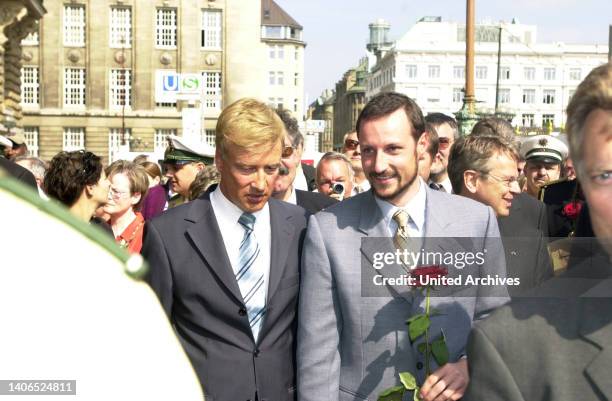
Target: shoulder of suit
<point>317,197</point>
<point>455,204</point>
<point>288,209</point>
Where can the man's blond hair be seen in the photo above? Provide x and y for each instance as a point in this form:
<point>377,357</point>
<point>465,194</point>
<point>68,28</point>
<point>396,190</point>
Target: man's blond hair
<point>248,124</point>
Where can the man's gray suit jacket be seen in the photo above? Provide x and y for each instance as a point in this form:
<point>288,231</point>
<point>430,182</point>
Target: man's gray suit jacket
<point>193,278</point>
<point>352,347</point>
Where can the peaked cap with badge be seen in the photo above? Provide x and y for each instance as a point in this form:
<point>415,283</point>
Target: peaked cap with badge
<point>181,150</point>
<point>544,148</point>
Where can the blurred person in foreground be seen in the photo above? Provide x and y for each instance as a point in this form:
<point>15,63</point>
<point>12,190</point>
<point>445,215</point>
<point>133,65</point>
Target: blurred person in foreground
<point>18,147</point>
<point>97,321</point>
<point>129,185</point>
<point>559,348</point>
<point>335,176</point>
<point>351,149</point>
<point>284,186</point>
<point>16,171</point>
<point>77,180</point>
<point>226,266</point>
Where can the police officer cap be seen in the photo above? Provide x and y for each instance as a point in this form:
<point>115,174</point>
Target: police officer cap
<point>183,150</point>
<point>544,148</point>
<point>4,141</point>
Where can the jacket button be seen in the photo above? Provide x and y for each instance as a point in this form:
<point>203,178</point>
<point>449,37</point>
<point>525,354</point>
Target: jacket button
<point>419,365</point>
<point>256,353</point>
<point>242,312</point>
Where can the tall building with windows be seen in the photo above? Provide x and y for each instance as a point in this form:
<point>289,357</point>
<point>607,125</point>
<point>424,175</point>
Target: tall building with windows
<point>349,101</point>
<point>282,36</point>
<point>89,77</point>
<point>536,80</point>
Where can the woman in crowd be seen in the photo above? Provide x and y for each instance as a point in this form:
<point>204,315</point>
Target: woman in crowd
<point>129,185</point>
<point>156,200</point>
<point>77,180</point>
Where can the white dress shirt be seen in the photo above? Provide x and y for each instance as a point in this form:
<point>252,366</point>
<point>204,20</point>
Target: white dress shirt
<point>227,215</point>
<point>300,182</point>
<point>415,208</point>
<point>292,197</point>
<point>448,187</point>
<point>363,186</point>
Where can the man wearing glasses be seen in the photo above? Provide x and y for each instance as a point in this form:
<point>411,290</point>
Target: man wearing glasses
<point>183,160</point>
<point>352,151</point>
<point>484,168</point>
<point>448,133</point>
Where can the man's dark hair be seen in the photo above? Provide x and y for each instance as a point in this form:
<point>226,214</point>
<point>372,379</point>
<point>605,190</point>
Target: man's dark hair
<point>69,173</point>
<point>291,125</point>
<point>437,119</point>
<point>386,103</point>
<point>434,142</point>
<point>494,126</point>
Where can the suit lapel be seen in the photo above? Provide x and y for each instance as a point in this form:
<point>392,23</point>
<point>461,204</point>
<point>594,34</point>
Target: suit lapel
<point>596,328</point>
<point>206,238</point>
<point>282,233</point>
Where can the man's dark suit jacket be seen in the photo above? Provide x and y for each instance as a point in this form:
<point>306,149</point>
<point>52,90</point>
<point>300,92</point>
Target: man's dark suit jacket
<point>313,201</point>
<point>193,278</point>
<point>20,173</point>
<point>524,236</point>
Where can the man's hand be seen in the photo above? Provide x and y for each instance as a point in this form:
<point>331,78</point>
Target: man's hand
<point>447,383</point>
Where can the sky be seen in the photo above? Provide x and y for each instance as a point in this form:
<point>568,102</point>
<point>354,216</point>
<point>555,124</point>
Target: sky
<point>336,31</point>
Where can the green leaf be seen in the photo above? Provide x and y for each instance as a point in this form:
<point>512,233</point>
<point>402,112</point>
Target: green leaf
<point>392,394</point>
<point>440,350</point>
<point>422,347</point>
<point>413,318</point>
<point>417,327</point>
<point>416,396</point>
<point>408,380</point>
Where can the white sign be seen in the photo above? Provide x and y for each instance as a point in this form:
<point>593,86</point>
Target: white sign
<point>192,123</point>
<point>171,86</point>
<point>315,125</point>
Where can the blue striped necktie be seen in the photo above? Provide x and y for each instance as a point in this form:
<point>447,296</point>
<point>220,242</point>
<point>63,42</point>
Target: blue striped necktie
<point>249,277</point>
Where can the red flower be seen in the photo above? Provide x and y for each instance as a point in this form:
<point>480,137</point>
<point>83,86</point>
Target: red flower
<point>430,272</point>
<point>572,209</point>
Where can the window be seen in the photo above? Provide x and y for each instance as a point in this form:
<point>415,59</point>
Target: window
<point>273,32</point>
<point>296,79</point>
<point>165,104</point>
<point>528,96</point>
<point>482,94</point>
<point>575,74</point>
<point>276,78</point>
<point>548,120</point>
<point>528,120</point>
<point>529,73</point>
<point>114,142</point>
<point>120,27</point>
<point>73,139</point>
<point>459,72</point>
<point>165,28</point>
<point>411,71</point>
<point>31,39</point>
<point>571,94</point>
<point>120,88</point>
<point>458,95</point>
<point>74,25</point>
<point>433,71</point>
<point>549,96</point>
<point>160,139</point>
<point>209,136</point>
<point>74,87</point>
<point>433,95</point>
<point>549,74</point>
<point>296,54</point>
<point>504,73</point>
<point>481,72</point>
<point>295,105</point>
<point>211,29</point>
<point>276,51</point>
<point>276,102</point>
<point>504,96</point>
<point>213,89</point>
<point>29,86</point>
<point>31,138</point>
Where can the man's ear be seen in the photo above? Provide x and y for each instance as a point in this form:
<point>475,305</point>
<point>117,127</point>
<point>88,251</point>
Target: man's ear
<point>470,181</point>
<point>422,144</point>
<point>136,198</point>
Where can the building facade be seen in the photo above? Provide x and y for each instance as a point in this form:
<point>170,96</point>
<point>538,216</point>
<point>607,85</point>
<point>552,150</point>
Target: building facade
<point>322,109</point>
<point>18,21</point>
<point>536,79</point>
<point>349,101</point>
<point>89,78</point>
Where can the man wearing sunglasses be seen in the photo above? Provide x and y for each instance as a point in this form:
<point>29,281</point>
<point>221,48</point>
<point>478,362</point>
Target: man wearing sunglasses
<point>352,151</point>
<point>183,160</point>
<point>484,168</point>
<point>447,130</point>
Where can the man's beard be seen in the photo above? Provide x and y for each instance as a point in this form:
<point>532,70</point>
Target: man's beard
<point>401,188</point>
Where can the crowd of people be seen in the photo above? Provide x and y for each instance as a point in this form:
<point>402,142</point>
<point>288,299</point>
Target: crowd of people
<point>258,259</point>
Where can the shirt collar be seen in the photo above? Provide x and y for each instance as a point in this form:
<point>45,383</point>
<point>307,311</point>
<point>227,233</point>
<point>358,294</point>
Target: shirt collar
<point>415,207</point>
